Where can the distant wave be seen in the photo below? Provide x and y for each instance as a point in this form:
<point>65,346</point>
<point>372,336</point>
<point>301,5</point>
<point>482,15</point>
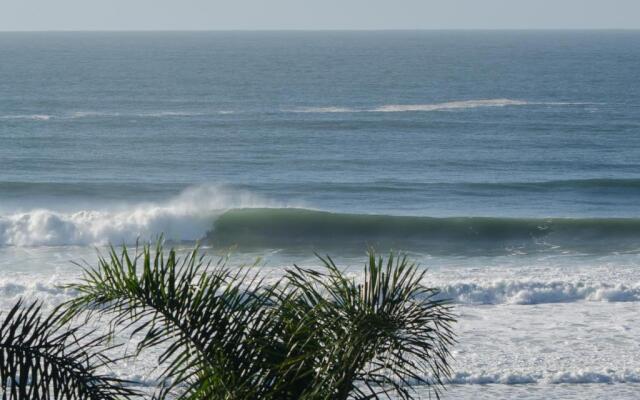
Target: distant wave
<point>144,114</point>
<point>34,117</point>
<point>593,183</point>
<point>76,115</point>
<point>385,108</point>
<point>527,292</point>
<point>446,106</point>
<point>453,105</point>
<point>111,189</point>
<point>493,188</point>
<point>324,110</point>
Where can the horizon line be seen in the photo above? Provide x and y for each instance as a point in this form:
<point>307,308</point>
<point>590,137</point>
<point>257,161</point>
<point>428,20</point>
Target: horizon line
<point>318,30</point>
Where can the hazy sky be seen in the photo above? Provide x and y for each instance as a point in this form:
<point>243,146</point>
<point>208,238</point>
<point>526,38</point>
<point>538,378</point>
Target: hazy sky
<point>316,14</point>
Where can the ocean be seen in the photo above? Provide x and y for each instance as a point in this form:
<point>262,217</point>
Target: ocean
<point>507,163</point>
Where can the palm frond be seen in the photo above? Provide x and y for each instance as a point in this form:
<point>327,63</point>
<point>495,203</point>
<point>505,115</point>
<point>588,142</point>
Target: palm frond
<point>204,315</point>
<point>228,334</point>
<point>377,337</point>
<point>42,359</point>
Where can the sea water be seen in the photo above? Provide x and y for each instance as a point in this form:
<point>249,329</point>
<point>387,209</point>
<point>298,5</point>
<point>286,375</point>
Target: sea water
<point>507,163</point>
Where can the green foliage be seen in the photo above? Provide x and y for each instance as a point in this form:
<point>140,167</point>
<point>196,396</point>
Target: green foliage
<point>374,338</point>
<point>41,359</point>
<point>226,333</point>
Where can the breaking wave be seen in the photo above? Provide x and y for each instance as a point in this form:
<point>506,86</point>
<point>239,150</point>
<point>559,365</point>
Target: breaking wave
<point>227,217</point>
<point>186,217</point>
<point>528,292</point>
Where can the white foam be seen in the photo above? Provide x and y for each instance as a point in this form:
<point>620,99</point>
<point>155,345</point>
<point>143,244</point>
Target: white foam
<point>35,117</point>
<point>48,291</point>
<point>453,105</point>
<point>605,376</point>
<point>185,218</point>
<point>526,292</point>
<point>324,110</point>
<point>150,114</point>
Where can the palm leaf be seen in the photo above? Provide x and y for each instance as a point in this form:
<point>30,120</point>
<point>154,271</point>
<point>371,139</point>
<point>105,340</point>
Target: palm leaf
<point>41,359</point>
<point>227,334</point>
<point>375,338</point>
<point>204,316</point>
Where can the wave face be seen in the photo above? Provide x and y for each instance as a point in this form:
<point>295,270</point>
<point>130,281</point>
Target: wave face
<point>291,227</point>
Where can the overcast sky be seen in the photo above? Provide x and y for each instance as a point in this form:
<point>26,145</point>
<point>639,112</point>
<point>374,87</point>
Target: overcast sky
<point>317,14</point>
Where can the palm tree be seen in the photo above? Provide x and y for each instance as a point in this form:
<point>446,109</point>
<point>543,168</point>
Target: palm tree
<point>227,333</point>
<point>42,359</point>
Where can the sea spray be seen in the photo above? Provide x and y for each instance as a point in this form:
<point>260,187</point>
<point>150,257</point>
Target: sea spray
<point>187,217</point>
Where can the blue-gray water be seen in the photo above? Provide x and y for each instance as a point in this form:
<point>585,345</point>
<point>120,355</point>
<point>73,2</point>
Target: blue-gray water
<point>126,116</point>
<point>110,137</point>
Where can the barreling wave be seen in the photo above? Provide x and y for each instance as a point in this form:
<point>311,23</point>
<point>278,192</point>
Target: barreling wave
<point>291,227</point>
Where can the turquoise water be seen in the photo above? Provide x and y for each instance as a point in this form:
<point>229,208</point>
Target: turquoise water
<point>507,162</point>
